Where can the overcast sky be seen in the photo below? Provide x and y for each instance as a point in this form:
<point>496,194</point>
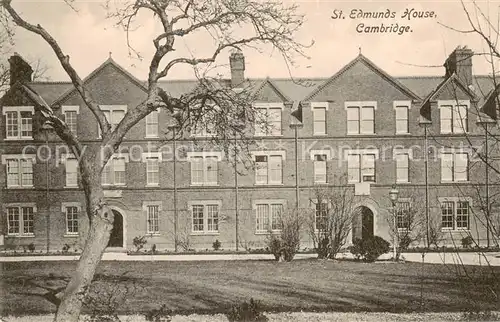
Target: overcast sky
<point>88,39</point>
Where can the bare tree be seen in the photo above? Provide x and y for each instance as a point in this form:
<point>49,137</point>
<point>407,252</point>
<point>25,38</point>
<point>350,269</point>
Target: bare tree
<point>231,24</point>
<point>406,221</point>
<point>331,222</point>
<point>284,234</point>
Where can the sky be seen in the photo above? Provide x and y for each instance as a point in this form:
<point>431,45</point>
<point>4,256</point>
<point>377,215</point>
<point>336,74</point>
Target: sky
<point>89,39</point>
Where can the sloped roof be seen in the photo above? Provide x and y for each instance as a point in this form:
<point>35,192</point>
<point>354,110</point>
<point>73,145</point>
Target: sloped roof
<point>294,89</point>
<point>361,58</point>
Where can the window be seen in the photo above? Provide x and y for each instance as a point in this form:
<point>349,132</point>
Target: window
<point>152,171</point>
<point>360,117</point>
<point>20,220</point>
<point>454,166</point>
<point>114,171</point>
<point>321,216</point>
<point>268,216</point>
<point>361,167</point>
<point>402,116</point>
<point>453,116</point>
<point>19,170</point>
<point>268,168</point>
<point>205,216</point>
<point>70,117</point>
<point>403,215</point>
<point>319,118</point>
<point>114,114</point>
<point>18,122</point>
<point>204,168</point>
<point>71,173</point>
<point>455,214</point>
<point>153,218</point>
<point>152,124</point>
<point>402,167</point>
<point>268,119</point>
<point>320,168</point>
<point>71,212</point>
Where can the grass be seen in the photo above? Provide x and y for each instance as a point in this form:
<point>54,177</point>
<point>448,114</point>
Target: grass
<point>213,286</point>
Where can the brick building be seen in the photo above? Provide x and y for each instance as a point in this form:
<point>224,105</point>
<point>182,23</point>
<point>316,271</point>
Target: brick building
<point>359,129</point>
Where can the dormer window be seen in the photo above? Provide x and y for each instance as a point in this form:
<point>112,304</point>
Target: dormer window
<point>114,114</point>
<point>268,119</point>
<point>454,116</point>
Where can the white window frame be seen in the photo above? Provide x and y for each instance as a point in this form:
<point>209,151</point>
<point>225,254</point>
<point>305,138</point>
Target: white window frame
<point>315,107</point>
<point>111,109</point>
<point>64,210</point>
<point>409,154</point>
<point>269,155</point>
<point>152,155</point>
<point>456,201</point>
<point>314,203</point>
<point>362,153</point>
<point>112,170</point>
<point>399,202</point>
<point>149,120</point>
<point>64,160</point>
<point>359,105</point>
<point>268,131</point>
<point>407,105</point>
<point>442,104</point>
<point>454,171</point>
<point>21,220</point>
<point>19,157</point>
<point>269,220</point>
<point>149,225</point>
<point>313,154</point>
<point>71,108</point>
<point>205,204</point>
<point>18,110</point>
<point>205,155</point>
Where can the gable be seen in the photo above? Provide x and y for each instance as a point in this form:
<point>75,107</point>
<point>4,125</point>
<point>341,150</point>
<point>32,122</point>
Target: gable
<point>452,90</point>
<point>268,92</point>
<point>359,81</point>
<point>109,86</point>
<point>16,96</point>
<point>107,82</point>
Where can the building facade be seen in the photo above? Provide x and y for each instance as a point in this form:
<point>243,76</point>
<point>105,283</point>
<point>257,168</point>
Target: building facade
<point>360,129</point>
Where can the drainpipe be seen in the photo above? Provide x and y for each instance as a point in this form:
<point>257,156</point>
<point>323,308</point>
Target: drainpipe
<point>47,178</point>
<point>174,128</point>
<point>236,193</point>
<point>296,126</point>
<point>426,185</point>
<point>487,183</point>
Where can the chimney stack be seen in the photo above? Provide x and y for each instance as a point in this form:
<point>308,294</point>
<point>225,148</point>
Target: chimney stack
<point>20,70</point>
<point>237,64</point>
<point>460,62</point>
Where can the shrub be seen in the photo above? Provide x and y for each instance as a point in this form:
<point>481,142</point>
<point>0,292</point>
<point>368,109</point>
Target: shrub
<point>216,245</point>
<point>467,242</point>
<point>31,247</point>
<point>139,242</point>
<point>404,243</point>
<point>246,312</point>
<point>153,249</point>
<point>274,246</point>
<point>369,248</point>
<point>163,314</point>
<point>65,248</point>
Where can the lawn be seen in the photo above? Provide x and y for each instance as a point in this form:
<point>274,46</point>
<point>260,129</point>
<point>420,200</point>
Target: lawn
<point>213,286</point>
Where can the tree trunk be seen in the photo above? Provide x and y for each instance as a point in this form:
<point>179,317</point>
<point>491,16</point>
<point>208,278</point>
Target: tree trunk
<point>97,240</point>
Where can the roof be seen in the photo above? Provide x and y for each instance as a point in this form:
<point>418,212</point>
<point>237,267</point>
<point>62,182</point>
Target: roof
<point>294,89</point>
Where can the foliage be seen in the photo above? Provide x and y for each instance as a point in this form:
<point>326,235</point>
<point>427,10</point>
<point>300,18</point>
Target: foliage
<point>467,242</point>
<point>370,248</point>
<point>153,249</point>
<point>285,242</point>
<point>216,245</point>
<point>139,242</point>
<point>480,316</point>
<point>163,314</point>
<point>31,247</point>
<point>246,312</point>
<point>66,248</point>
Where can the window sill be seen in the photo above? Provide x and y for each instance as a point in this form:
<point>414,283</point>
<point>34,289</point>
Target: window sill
<point>204,185</point>
<point>403,182</point>
<point>320,134</point>
<point>71,187</point>
<point>267,232</point>
<point>113,185</point>
<point>18,139</point>
<point>152,137</point>
<point>156,185</point>
<point>403,134</point>
<point>359,134</point>
<point>321,183</point>
<point>20,236</point>
<point>459,230</point>
<point>20,187</point>
<point>269,136</point>
<point>71,235</point>
<point>268,184</point>
<point>153,234</point>
<point>205,233</point>
<point>455,182</point>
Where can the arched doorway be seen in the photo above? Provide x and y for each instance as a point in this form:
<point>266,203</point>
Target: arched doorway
<point>116,237</point>
<point>363,223</point>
